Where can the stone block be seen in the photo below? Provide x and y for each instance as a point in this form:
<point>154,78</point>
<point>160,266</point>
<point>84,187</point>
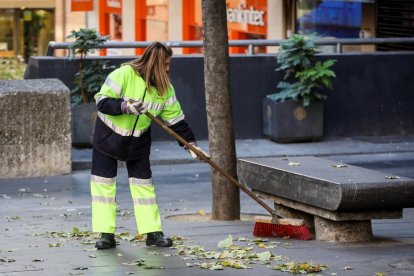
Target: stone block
<point>343,231</point>
<point>35,131</point>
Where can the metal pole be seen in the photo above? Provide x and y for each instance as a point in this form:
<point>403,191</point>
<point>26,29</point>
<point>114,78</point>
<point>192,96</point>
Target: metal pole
<point>250,49</point>
<point>339,48</point>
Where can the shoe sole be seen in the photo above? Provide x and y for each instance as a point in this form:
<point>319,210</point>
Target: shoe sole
<point>158,245</point>
<point>104,246</point>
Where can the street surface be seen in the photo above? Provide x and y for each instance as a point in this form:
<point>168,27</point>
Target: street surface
<point>45,221</point>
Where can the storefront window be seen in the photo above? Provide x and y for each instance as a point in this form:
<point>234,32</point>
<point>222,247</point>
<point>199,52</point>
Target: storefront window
<point>338,19</point>
<point>6,33</point>
<point>25,32</point>
<point>38,31</point>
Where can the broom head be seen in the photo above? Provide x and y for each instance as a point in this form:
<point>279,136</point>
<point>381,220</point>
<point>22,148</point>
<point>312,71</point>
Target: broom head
<point>285,227</point>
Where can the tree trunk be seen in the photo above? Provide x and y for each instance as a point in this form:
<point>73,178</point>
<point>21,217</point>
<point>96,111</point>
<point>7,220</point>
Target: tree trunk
<point>226,197</point>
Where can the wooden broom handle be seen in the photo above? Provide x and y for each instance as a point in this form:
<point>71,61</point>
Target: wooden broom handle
<point>209,161</point>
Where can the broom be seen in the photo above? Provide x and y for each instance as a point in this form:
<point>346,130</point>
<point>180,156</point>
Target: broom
<point>264,226</point>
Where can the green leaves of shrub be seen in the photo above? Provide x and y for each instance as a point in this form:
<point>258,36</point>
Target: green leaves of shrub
<point>94,75</point>
<point>305,75</point>
<point>296,53</point>
<point>90,78</point>
<point>12,68</point>
<point>86,41</point>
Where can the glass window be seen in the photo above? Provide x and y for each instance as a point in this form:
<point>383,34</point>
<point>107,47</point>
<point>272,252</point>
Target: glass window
<point>6,33</point>
<point>38,30</point>
<point>25,32</point>
<point>338,19</point>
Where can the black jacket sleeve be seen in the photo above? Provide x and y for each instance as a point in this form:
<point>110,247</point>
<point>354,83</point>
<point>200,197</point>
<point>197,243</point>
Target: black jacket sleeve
<point>182,129</point>
<point>110,106</point>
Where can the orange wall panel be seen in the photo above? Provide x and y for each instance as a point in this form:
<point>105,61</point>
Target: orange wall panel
<point>81,5</point>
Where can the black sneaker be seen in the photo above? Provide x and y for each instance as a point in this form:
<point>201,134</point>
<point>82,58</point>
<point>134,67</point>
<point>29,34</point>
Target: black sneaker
<point>158,239</point>
<point>106,241</point>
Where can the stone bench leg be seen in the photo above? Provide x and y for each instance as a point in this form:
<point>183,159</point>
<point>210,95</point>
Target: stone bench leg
<point>342,226</point>
<point>342,231</point>
<point>286,212</point>
<point>329,230</point>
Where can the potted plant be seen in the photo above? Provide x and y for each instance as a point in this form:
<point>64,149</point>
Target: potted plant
<point>88,81</point>
<point>295,112</point>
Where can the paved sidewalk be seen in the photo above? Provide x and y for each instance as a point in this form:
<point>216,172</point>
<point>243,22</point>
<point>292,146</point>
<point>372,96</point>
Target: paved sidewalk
<point>168,152</point>
<point>38,216</point>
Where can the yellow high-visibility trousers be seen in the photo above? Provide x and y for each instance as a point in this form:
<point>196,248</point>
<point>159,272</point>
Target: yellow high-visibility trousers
<point>103,193</point>
<point>146,210</point>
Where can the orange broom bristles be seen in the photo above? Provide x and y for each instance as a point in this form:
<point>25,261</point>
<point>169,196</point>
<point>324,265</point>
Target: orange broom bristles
<point>292,228</point>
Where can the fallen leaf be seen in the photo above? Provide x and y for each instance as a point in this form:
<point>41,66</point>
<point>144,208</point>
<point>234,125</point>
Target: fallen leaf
<point>201,212</point>
<point>153,253</point>
<point>81,268</point>
<point>153,267</point>
<point>139,237</point>
<point>264,256</point>
<point>7,260</point>
<point>226,243</point>
<point>301,268</point>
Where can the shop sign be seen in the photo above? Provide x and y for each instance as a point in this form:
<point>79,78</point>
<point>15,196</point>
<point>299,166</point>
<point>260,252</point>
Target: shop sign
<point>114,4</point>
<point>81,5</point>
<point>244,15</point>
<point>111,6</point>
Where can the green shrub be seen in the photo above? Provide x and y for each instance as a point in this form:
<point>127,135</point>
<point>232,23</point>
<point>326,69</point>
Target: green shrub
<point>94,75</point>
<point>305,76</point>
<point>12,68</point>
<point>89,78</point>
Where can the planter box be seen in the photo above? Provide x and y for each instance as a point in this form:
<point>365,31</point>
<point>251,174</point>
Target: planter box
<point>83,121</point>
<point>291,122</point>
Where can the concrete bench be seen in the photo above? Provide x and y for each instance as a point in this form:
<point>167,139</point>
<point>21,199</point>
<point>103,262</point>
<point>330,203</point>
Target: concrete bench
<point>337,201</point>
<point>35,133</point>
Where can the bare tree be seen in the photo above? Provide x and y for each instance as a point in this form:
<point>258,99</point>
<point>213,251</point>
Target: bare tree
<point>226,197</point>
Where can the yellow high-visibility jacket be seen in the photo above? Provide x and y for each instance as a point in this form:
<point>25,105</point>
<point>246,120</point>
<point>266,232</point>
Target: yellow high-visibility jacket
<point>126,136</point>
